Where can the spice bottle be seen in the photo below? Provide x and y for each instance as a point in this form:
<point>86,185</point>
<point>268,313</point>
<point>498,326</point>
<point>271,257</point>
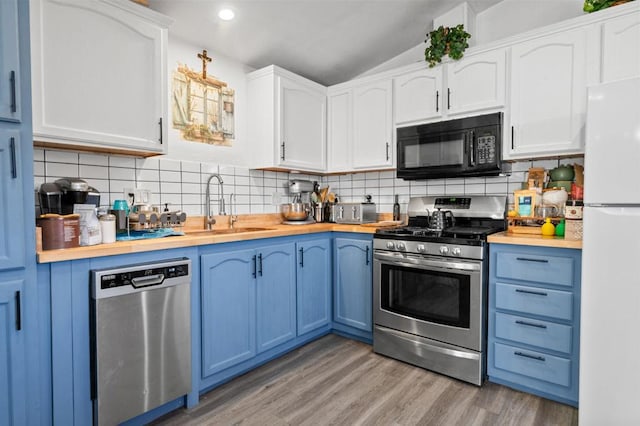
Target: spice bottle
<point>108,228</point>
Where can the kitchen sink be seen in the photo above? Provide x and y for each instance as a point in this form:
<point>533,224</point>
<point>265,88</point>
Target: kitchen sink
<point>225,231</point>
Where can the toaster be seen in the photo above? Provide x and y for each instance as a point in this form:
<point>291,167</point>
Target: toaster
<point>354,213</point>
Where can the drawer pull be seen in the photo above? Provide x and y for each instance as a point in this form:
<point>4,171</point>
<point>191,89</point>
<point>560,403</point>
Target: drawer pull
<point>530,324</point>
<point>526,259</point>
<point>536,357</point>
<point>537,293</point>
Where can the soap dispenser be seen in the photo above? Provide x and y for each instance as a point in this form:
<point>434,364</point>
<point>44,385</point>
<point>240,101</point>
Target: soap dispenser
<point>548,229</point>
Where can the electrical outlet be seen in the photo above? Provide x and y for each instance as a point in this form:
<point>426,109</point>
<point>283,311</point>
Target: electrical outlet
<point>137,195</point>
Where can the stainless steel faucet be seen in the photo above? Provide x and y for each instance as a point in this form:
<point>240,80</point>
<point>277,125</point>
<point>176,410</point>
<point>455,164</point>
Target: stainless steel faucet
<point>209,220</point>
<point>233,218</point>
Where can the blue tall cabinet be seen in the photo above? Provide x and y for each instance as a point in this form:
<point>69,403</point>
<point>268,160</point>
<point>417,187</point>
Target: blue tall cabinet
<point>19,390</point>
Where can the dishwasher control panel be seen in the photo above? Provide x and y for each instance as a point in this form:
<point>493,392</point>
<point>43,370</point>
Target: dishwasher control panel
<point>130,278</point>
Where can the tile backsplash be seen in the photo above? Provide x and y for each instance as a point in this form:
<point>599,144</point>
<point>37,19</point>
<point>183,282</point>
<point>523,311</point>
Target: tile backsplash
<point>181,184</point>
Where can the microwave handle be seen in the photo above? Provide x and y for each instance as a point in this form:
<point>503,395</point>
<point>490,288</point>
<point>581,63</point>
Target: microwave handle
<point>472,148</point>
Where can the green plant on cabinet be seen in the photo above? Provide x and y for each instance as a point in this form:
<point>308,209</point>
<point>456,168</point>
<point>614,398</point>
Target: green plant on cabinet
<point>450,41</point>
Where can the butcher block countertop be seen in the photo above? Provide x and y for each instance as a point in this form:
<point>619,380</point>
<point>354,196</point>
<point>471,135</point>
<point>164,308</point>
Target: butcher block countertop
<point>533,240</point>
<point>196,236</point>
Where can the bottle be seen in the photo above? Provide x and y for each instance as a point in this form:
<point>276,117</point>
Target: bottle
<point>396,209</point>
<point>560,228</point>
<point>548,229</point>
<point>108,228</point>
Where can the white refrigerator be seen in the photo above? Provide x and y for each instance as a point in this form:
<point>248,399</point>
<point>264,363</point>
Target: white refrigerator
<point>610,314</point>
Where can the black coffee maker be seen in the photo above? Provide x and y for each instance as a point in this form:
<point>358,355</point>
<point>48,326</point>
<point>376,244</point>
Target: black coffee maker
<point>60,196</point>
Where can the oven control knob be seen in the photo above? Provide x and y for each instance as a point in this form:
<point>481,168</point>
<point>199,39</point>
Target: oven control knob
<point>444,250</point>
<point>456,251</point>
<point>421,248</point>
<point>390,245</point>
<point>401,246</point>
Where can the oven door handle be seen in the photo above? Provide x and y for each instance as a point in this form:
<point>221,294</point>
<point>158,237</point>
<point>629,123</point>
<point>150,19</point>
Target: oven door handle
<point>423,263</point>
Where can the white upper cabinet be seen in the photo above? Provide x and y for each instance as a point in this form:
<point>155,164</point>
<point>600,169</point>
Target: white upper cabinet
<point>417,95</point>
<point>474,83</point>
<point>339,131</point>
<point>287,121</point>
<point>372,146</point>
<point>621,47</point>
<point>548,96</point>
<point>99,75</point>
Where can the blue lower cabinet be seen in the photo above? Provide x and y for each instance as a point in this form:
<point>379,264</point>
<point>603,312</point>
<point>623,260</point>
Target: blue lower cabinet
<point>353,270</point>
<point>534,320</point>
<point>313,278</point>
<point>276,295</point>
<point>248,304</point>
<point>13,366</point>
<point>228,309</point>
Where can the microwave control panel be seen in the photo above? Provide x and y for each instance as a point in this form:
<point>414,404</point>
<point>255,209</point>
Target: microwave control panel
<point>486,148</point>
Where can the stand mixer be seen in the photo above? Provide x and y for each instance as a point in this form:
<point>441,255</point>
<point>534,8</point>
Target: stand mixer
<point>298,212</point>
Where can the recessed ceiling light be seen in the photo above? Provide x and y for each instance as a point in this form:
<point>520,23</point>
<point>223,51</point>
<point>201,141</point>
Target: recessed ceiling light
<point>226,14</point>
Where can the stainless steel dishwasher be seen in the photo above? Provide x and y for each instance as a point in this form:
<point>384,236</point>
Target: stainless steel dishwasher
<point>141,338</point>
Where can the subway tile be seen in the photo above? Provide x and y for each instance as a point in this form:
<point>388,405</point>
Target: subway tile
<point>386,199</point>
<point>153,187</point>
<point>372,175</point>
<point>191,188</point>
<point>256,174</point>
<point>242,180</point>
<point>474,181</point>
<point>387,191</point>
<point>269,182</point>
<point>496,188</point>
<point>38,154</point>
<point>242,171</point>
<point>192,199</point>
<point>229,180</point>
<point>547,164</point>
<point>191,210</point>
<point>227,170</point>
<point>518,177</point>
<point>243,199</point>
<point>37,181</point>
<point>244,209</point>
<point>147,163</point>
<point>256,190</point>
<point>358,176</point>
<point>118,186</point>
<point>331,179</point>
<point>102,185</point>
<point>358,184</point>
<point>436,182</point>
<point>455,189</point>
<point>120,161</point>
<point>174,200</point>
<point>208,168</point>
<point>170,187</point>
<point>120,173</point>
<point>94,159</point>
<point>521,166</point>
<point>387,183</point>
<point>38,168</point>
<point>576,160</point>
<point>257,208</point>
<point>514,186</point>
<point>190,177</point>
<point>387,174</point>
<point>436,190</point>
<point>169,176</point>
<point>169,164</point>
<point>242,190</point>
<point>497,179</point>
<point>147,175</point>
<point>94,172</point>
<point>474,188</point>
<point>61,156</point>
<point>190,166</point>
<point>269,174</point>
<point>58,170</point>
<point>154,200</point>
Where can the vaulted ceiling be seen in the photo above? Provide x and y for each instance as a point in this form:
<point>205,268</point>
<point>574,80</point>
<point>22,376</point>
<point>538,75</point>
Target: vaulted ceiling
<point>327,41</point>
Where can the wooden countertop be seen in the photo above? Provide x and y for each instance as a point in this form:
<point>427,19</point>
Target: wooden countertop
<point>199,238</point>
<point>533,240</point>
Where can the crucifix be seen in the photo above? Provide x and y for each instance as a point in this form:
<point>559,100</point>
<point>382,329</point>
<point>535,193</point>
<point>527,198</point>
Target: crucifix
<point>205,59</point>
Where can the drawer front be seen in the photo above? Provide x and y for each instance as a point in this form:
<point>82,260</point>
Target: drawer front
<point>544,334</point>
<point>538,268</point>
<point>533,364</point>
<point>536,301</point>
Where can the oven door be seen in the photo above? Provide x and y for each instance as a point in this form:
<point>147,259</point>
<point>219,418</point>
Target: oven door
<point>437,298</point>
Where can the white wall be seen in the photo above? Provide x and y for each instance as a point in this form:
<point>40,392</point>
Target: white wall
<point>229,71</point>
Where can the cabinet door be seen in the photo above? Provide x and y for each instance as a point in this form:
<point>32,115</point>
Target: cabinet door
<point>339,131</point>
<point>228,309</point>
<point>302,126</point>
<point>313,284</point>
<point>476,82</point>
<point>12,355</point>
<point>353,283</point>
<point>621,47</point>
<point>93,89</point>
<point>276,304</point>
<point>548,95</point>
<point>417,95</point>
<point>12,249</point>
<point>9,62</point>
<point>372,130</point>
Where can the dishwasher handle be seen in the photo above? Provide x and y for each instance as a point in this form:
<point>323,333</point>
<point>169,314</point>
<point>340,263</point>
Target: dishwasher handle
<point>147,281</point>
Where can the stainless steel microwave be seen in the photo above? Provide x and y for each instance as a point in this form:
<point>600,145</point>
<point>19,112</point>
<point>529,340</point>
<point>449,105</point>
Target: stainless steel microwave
<point>465,147</point>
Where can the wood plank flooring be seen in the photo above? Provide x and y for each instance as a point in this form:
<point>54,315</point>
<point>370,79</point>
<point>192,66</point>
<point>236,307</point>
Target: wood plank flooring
<point>336,381</point>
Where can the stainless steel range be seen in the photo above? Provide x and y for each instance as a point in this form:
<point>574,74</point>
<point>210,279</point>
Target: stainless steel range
<point>430,284</point>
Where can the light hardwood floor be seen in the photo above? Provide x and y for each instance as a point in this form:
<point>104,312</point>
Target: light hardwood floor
<point>336,381</point>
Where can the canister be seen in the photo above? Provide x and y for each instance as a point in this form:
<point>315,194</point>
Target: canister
<point>573,209</point>
<point>59,231</point>
<point>108,228</point>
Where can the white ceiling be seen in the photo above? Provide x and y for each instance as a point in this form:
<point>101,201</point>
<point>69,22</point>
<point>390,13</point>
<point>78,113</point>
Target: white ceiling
<point>327,41</point>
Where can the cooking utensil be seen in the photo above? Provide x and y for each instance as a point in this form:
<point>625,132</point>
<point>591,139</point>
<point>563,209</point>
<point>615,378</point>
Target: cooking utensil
<point>295,211</point>
<point>564,172</point>
<point>441,219</point>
